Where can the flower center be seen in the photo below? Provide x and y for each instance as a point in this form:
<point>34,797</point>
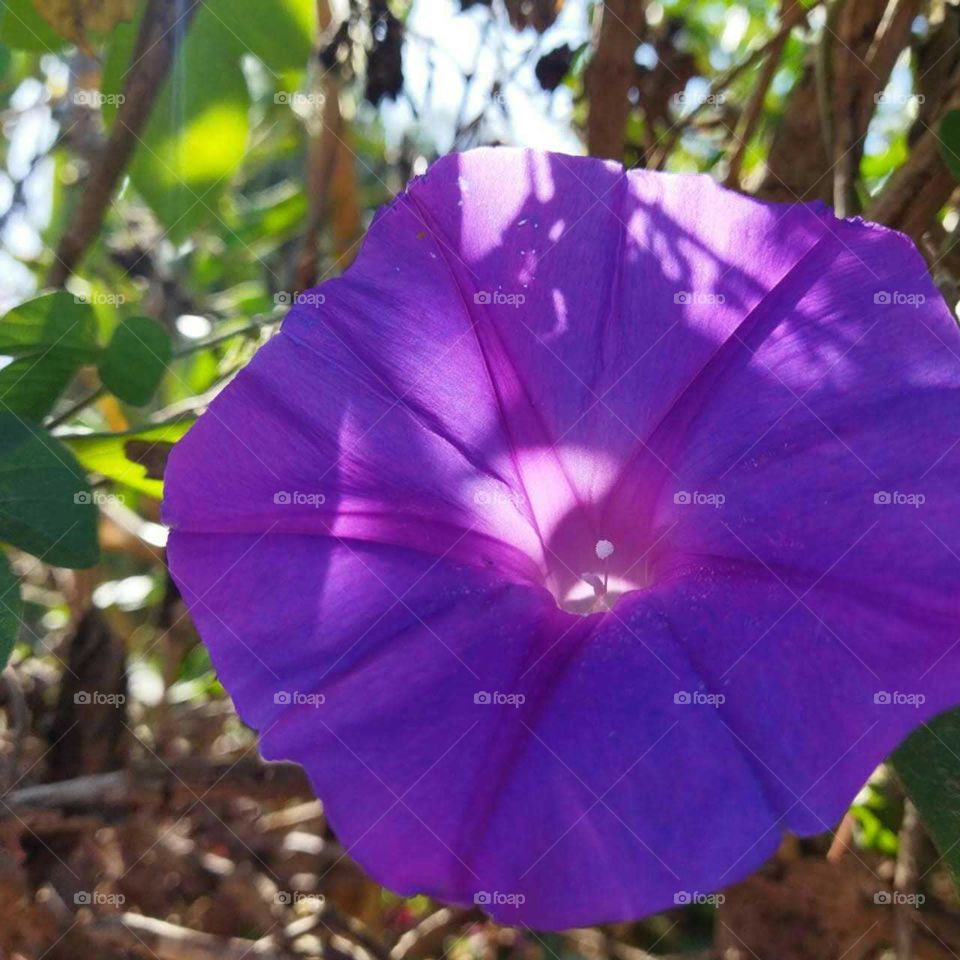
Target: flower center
<point>597,590</point>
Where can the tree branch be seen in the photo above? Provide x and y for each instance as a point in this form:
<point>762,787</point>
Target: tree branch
<point>816,149</point>
<point>610,75</point>
<point>151,782</point>
<point>792,14</point>
<point>918,188</point>
<point>669,139</point>
<point>167,941</point>
<point>162,28</point>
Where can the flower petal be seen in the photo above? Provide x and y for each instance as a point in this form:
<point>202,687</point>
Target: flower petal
<point>308,441</point>
<point>582,799</point>
<point>538,362</point>
<point>829,428</point>
<point>818,686</point>
<point>586,799</point>
<point>601,296</point>
<point>410,418</point>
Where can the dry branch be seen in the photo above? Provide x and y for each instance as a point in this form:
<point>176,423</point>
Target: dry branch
<point>611,74</point>
<point>670,139</point>
<point>162,28</point>
<point>792,14</point>
<point>426,938</point>
<point>817,145</point>
<point>905,880</point>
<point>167,941</point>
<point>918,189</point>
<point>150,783</point>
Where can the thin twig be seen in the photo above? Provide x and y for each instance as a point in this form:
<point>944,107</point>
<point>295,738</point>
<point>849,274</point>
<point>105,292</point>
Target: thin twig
<point>792,14</point>
<point>255,326</point>
<point>920,187</point>
<point>823,80</point>
<point>162,28</point>
<point>437,924</point>
<point>611,74</point>
<point>167,941</point>
<point>470,76</point>
<point>891,37</point>
<point>152,782</point>
<point>61,418</point>
<point>325,129</point>
<point>323,153</point>
<point>19,716</point>
<point>905,880</point>
<point>669,140</point>
<point>343,923</point>
<point>842,839</point>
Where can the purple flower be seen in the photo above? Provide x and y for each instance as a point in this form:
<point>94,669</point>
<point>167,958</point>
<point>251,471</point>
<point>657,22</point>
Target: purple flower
<point>591,531</point>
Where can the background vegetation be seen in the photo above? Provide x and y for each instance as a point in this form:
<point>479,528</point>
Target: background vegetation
<point>172,172</point>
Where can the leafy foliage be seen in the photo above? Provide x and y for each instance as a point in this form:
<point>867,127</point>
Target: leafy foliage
<point>929,765</point>
<point>49,339</point>
<point>950,141</point>
<point>134,459</point>
<point>268,144</point>
<point>46,506</point>
<point>23,28</point>
<point>135,360</point>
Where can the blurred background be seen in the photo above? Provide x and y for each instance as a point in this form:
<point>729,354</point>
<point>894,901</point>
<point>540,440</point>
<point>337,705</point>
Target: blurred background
<point>172,174</point>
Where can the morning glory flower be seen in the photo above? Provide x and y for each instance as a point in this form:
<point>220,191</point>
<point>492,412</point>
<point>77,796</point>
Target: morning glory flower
<point>594,529</point>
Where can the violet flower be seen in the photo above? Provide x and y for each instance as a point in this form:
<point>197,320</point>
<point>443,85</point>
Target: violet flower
<point>593,530</point>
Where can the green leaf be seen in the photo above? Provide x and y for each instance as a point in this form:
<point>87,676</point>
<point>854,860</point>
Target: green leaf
<point>135,459</point>
<point>46,506</point>
<point>928,763</point>
<point>280,33</point>
<point>11,610</point>
<point>77,20</point>
<point>197,133</point>
<point>48,338</point>
<point>948,137</point>
<point>136,359</point>
<point>116,62</point>
<point>30,387</point>
<point>57,321</point>
<point>22,28</point>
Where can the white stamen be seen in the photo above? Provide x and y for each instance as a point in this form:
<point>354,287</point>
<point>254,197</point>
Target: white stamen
<point>604,549</point>
<point>599,588</point>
